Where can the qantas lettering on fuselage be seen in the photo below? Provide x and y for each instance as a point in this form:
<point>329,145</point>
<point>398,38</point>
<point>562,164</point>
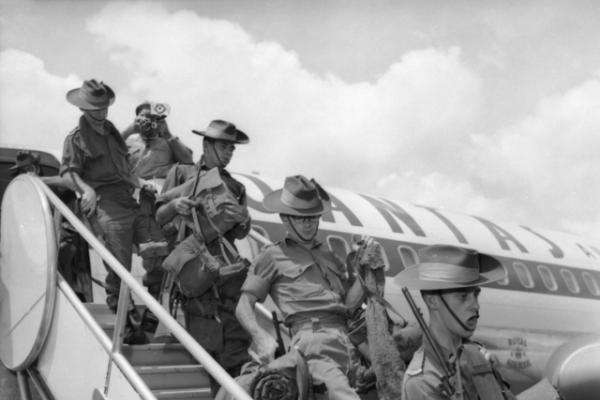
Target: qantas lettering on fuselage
<point>522,274</point>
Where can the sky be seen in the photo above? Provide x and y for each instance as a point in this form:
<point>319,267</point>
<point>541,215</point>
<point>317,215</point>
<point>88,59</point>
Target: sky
<point>489,108</point>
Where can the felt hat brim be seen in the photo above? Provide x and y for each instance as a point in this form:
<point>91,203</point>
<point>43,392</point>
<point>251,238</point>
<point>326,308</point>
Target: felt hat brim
<point>78,98</point>
<point>239,138</point>
<point>272,203</point>
<point>490,270</point>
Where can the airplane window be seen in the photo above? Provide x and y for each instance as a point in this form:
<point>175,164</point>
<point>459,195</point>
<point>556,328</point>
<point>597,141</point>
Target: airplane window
<point>570,280</point>
<point>408,256</point>
<point>504,281</point>
<point>339,246</point>
<point>547,277</point>
<point>523,274</point>
<point>591,283</point>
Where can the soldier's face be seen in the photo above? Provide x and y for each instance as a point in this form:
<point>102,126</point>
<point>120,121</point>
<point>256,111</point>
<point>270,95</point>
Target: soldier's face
<point>465,305</point>
<point>98,115</point>
<point>303,229</point>
<point>224,151</point>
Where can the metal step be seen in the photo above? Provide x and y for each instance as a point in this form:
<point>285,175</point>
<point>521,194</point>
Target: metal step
<point>103,315</point>
<point>190,394</point>
<point>158,354</point>
<point>173,376</point>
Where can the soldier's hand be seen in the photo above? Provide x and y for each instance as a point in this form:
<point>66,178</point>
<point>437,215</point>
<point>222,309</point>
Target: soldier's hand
<point>147,186</point>
<point>264,348</point>
<point>183,204</point>
<point>88,201</point>
<point>370,252</point>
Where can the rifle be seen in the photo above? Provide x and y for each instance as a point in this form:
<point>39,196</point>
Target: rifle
<point>447,370</point>
<point>280,346</point>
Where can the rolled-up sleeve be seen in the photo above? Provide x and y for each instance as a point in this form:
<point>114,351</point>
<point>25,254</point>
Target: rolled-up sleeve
<point>261,275</point>
<point>72,158</point>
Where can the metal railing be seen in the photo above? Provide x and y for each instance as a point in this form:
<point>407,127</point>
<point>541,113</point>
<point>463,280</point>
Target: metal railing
<point>128,282</point>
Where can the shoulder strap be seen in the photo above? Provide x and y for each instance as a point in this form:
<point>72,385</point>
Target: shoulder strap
<point>482,374</point>
<point>223,242</point>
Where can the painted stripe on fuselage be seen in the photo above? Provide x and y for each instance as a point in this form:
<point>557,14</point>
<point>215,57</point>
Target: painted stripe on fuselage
<point>357,213</point>
<point>276,232</point>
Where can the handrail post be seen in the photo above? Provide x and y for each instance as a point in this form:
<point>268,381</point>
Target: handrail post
<point>120,323</point>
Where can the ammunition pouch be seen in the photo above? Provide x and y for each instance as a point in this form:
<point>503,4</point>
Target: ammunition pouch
<point>197,270</point>
<point>207,306</point>
<point>185,251</point>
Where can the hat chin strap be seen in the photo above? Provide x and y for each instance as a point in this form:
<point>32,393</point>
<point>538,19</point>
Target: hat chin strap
<point>462,325</point>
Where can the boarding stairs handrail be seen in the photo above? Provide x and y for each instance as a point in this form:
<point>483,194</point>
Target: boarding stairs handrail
<point>128,282</point>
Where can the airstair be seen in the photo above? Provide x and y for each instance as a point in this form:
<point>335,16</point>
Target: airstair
<point>72,350</point>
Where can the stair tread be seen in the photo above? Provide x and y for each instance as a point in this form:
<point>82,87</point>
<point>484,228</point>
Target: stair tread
<point>151,369</point>
<point>193,393</point>
<point>181,391</point>
<point>155,346</point>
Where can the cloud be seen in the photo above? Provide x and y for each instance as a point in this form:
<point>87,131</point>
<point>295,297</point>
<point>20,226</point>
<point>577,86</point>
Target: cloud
<point>409,134</point>
<point>541,170</point>
<point>547,163</point>
<point>33,109</point>
<point>345,134</point>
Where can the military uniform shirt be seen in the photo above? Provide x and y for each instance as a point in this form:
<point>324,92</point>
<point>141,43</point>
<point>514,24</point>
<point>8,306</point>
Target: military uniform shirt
<point>99,160</point>
<point>157,157</point>
<point>423,377</point>
<point>299,279</point>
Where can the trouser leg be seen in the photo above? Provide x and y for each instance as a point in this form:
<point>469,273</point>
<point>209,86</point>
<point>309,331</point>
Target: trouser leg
<point>116,223</point>
<point>225,340</point>
<point>154,275</point>
<point>328,357</point>
<point>338,387</point>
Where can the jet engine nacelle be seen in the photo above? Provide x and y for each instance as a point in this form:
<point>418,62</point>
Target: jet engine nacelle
<point>574,369</point>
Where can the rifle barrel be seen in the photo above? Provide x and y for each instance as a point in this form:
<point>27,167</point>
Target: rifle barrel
<point>436,350</point>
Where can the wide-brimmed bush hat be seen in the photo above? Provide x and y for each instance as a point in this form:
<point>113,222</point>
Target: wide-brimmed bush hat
<point>92,95</point>
<point>444,267</point>
<point>223,130</point>
<point>299,197</point>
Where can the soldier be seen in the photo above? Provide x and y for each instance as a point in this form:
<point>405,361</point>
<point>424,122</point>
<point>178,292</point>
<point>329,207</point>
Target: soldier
<point>449,279</point>
<point>160,151</point>
<point>160,148</point>
<point>95,161</point>
<point>209,206</point>
<point>310,285</point>
<point>73,258</point>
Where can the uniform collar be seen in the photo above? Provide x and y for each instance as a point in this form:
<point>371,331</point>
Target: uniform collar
<point>449,355</point>
<point>202,165</point>
<point>90,135</point>
<point>293,243</point>
<point>85,125</point>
